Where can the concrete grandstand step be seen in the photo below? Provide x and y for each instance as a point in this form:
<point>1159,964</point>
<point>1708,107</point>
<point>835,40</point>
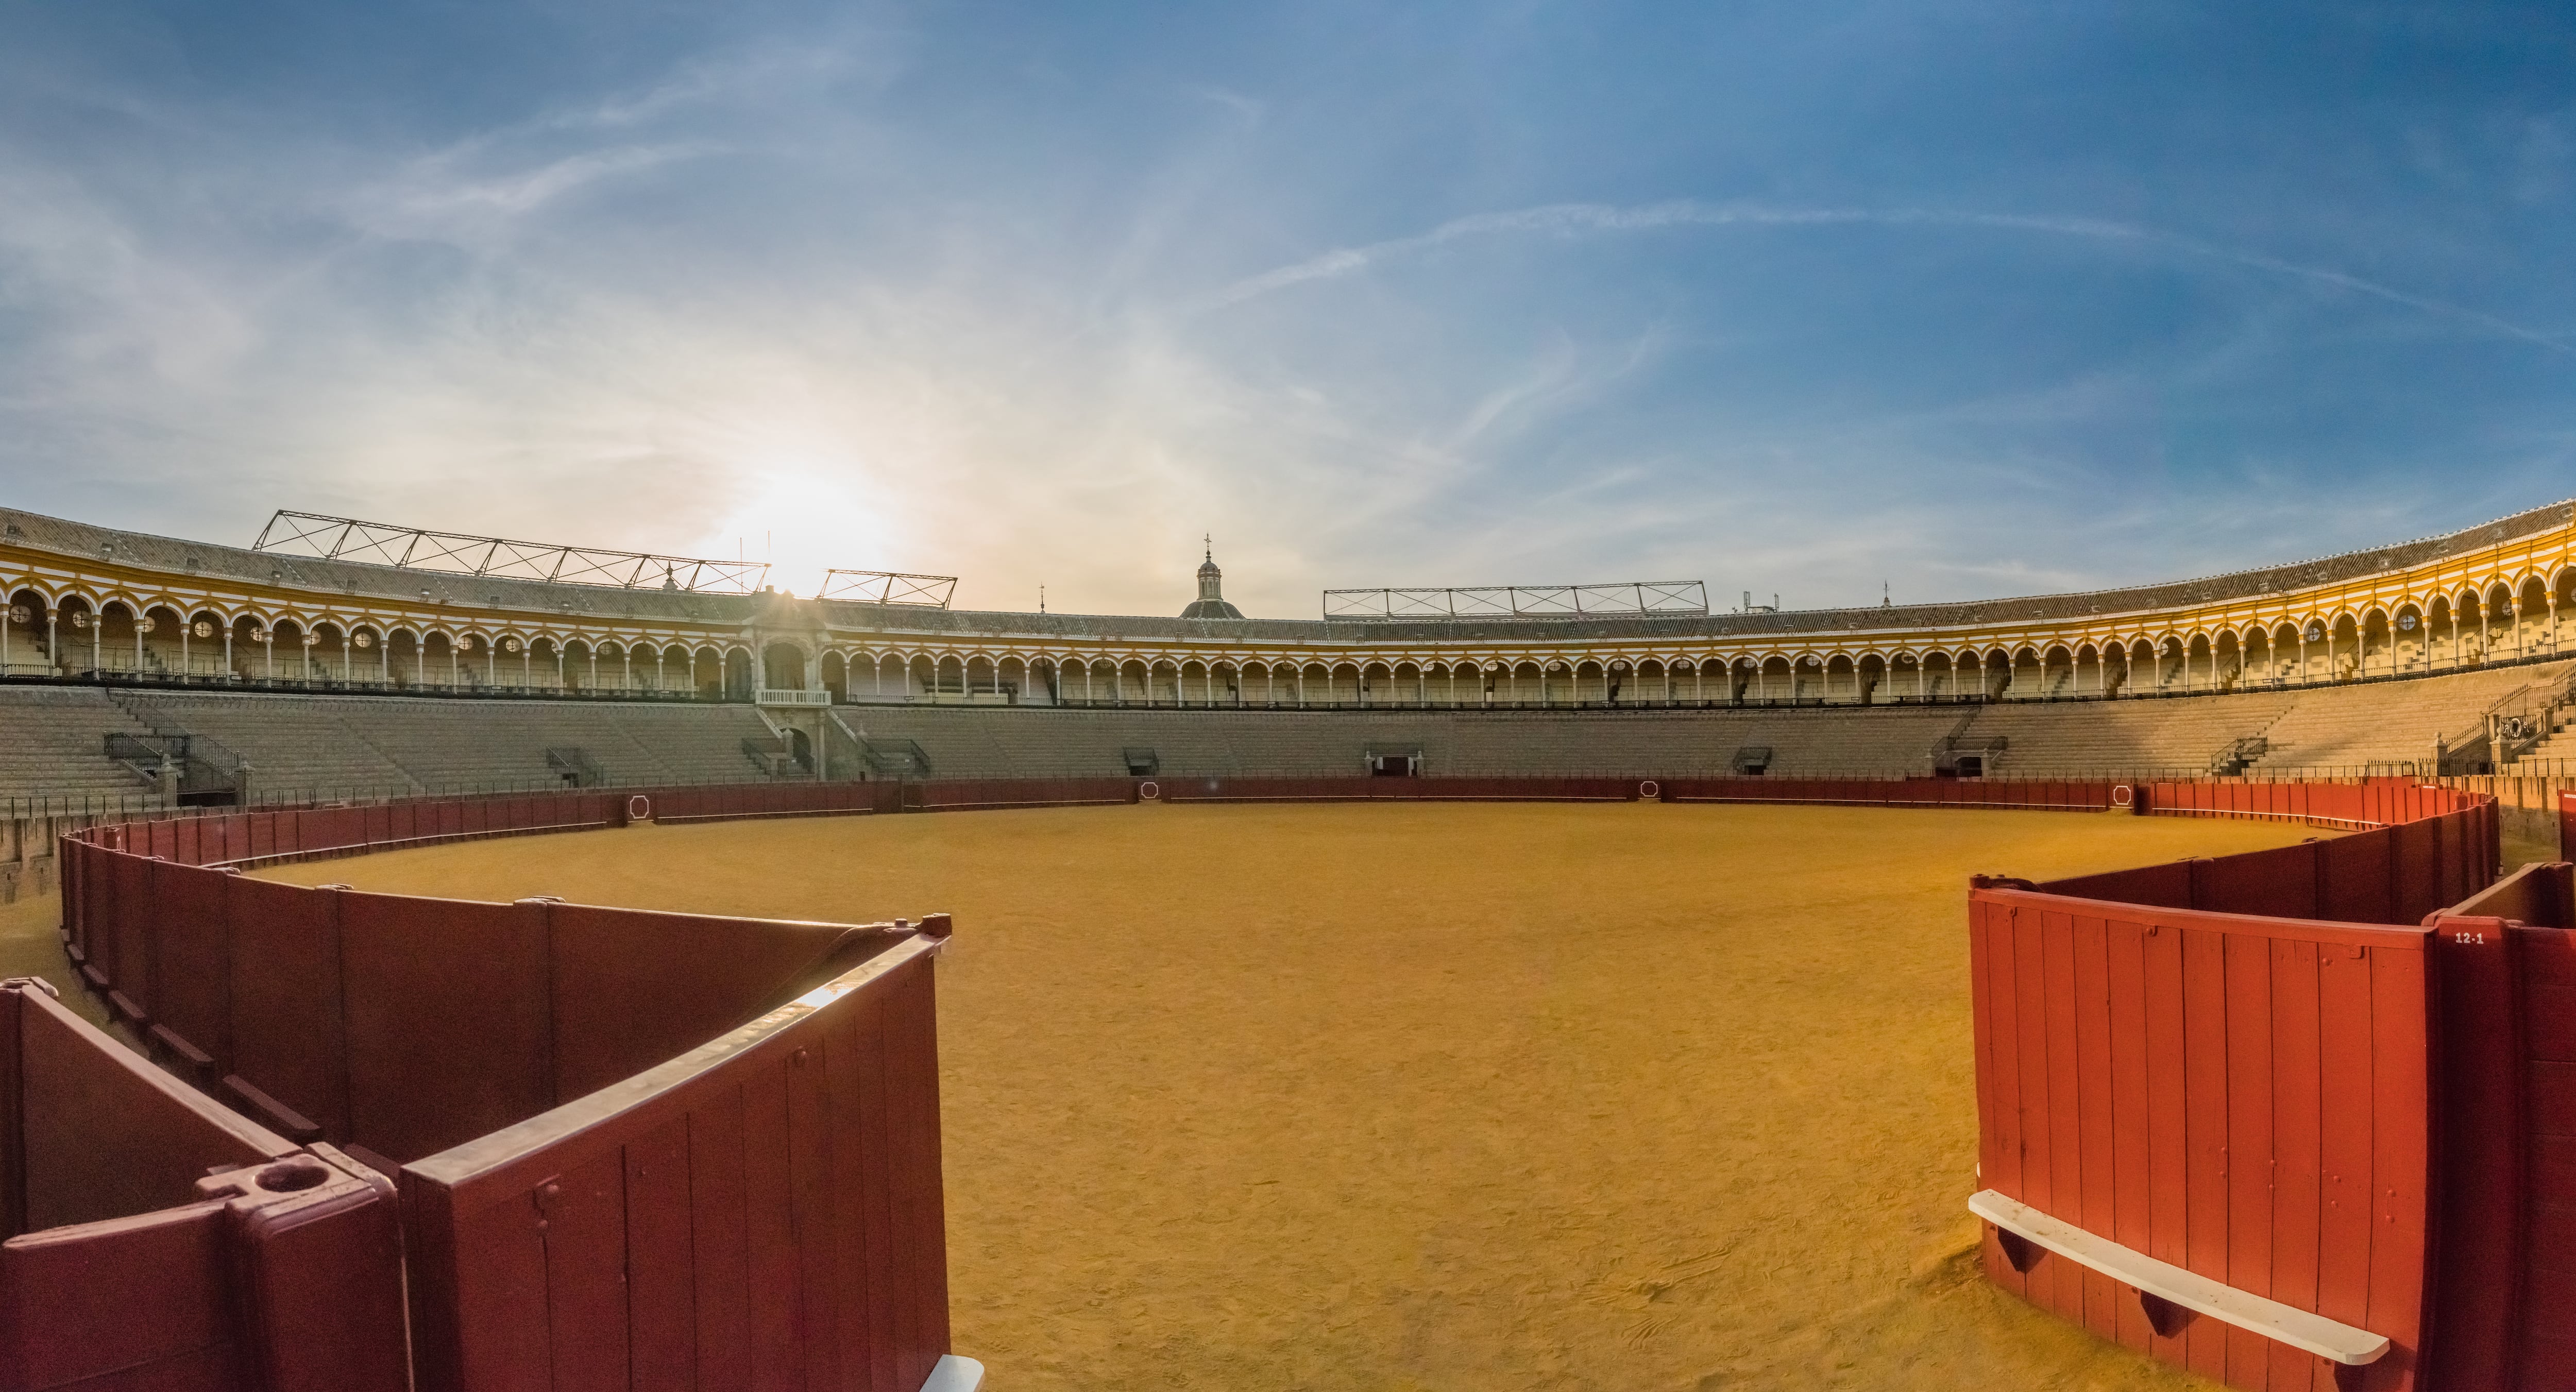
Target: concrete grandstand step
<point>53,742</point>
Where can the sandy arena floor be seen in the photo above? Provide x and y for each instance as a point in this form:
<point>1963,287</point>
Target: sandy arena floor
<point>1436,1096</point>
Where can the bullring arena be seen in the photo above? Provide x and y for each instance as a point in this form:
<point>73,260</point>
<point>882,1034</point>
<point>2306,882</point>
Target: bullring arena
<point>467,981</point>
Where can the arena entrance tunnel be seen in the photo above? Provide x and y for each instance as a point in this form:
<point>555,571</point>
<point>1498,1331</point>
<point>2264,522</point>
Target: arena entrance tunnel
<point>718,1157</point>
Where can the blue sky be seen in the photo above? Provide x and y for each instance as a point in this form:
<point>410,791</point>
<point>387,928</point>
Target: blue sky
<point>1969,299</point>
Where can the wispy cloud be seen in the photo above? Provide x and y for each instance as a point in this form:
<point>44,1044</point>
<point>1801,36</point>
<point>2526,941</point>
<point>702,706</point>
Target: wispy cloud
<point>1579,219</point>
<point>921,291</point>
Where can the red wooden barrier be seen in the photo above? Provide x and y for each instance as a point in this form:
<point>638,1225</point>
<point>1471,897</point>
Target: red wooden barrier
<point>2041,795</point>
<point>2184,1061</point>
<point>2245,1098</point>
<point>992,794</point>
<point>761,1211</point>
<point>129,1266</point>
<point>408,1027</point>
<point>1364,789</point>
<point>2546,1356</point>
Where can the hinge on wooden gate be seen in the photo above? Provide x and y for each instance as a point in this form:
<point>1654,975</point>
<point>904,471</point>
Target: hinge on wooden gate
<point>547,1194</point>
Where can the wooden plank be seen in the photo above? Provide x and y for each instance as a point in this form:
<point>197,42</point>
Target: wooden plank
<point>809,1166</point>
<point>777,1294</point>
<point>2131,1202</point>
<point>2030,1024</point>
<point>2065,1133</point>
<point>586,1276</point>
<point>920,1202</point>
<point>2204,1023</point>
<point>2103,1300</point>
<point>720,1245</point>
<point>500,1300</point>
<point>2249,1143</point>
<point>2401,1152</point>
<point>2168,1214</point>
<point>2002,1002</point>
<point>2344,1152</point>
<point>2296,1135</point>
<point>868,1133</point>
<point>1981,1036</point>
<point>661,1276</point>
<point>2549,1015</point>
<point>2223,1303</point>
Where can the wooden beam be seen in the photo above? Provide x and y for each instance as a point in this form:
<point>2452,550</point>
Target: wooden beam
<point>2298,1328</point>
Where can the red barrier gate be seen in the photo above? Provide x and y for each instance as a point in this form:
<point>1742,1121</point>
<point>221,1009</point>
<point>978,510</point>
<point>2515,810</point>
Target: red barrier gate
<point>2210,1123</point>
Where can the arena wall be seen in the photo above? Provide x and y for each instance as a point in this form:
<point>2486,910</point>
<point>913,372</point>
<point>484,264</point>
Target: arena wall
<point>531,1181</point>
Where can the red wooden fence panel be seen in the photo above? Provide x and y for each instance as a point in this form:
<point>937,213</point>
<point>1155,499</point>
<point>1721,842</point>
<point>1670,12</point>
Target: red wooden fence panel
<point>284,976</point>
<point>764,1208</point>
<point>129,1268</point>
<point>189,987</point>
<point>447,1019</point>
<point>631,989</point>
<point>2547,1344</point>
<point>2182,1082</point>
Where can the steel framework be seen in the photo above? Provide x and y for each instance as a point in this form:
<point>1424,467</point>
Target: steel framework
<point>1626,599</point>
<point>889,587</point>
<point>454,553</point>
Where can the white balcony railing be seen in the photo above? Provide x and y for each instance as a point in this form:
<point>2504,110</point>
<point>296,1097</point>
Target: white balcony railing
<point>775,696</point>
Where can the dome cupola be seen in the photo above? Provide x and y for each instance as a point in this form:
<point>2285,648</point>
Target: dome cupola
<point>1211,601</point>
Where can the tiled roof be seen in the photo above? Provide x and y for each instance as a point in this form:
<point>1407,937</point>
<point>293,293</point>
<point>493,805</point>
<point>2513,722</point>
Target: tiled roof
<point>563,602</point>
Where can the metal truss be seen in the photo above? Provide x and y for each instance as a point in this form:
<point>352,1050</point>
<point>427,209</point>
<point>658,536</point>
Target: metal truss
<point>889,587</point>
<point>1627,599</point>
<point>453,553</point>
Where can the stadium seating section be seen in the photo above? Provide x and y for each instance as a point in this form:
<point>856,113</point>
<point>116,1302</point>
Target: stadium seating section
<point>301,746</point>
